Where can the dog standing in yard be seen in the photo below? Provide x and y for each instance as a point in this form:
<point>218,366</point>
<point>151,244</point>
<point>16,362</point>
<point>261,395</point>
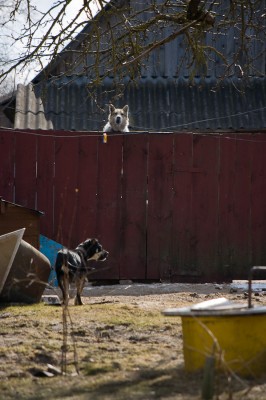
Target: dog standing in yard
<point>71,266</point>
<point>117,120</point>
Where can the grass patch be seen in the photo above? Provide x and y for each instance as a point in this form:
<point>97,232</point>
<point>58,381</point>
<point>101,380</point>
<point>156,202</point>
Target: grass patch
<point>124,349</point>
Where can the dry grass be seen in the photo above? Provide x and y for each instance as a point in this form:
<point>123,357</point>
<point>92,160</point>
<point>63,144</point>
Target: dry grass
<point>125,350</point>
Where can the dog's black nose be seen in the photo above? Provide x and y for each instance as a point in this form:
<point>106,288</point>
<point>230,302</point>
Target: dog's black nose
<point>118,120</point>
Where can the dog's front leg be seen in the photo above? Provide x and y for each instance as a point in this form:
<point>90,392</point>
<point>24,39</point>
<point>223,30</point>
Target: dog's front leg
<point>80,283</point>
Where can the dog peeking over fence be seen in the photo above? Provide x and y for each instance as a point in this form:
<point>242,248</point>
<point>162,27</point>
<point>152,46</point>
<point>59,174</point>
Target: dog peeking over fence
<point>72,266</point>
<point>117,119</point>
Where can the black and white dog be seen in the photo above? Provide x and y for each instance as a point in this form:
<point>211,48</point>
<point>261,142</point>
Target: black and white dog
<point>72,266</point>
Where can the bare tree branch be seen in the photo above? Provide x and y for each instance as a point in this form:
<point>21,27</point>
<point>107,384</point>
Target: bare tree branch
<point>123,34</point>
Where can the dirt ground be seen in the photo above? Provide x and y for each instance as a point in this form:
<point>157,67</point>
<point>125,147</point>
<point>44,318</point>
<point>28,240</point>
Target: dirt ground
<point>118,345</point>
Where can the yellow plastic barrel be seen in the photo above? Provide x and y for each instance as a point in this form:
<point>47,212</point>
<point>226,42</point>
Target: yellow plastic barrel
<point>238,342</point>
<point>234,334</point>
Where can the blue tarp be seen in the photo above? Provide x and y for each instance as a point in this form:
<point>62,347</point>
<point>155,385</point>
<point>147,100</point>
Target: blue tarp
<point>50,248</point>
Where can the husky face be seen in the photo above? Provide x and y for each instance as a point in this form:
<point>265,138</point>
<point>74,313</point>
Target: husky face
<point>117,119</point>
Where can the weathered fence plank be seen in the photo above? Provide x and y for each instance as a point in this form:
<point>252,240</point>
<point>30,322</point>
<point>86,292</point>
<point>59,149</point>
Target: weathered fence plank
<point>109,201</point>
<point>227,179</point>
<point>45,181</point>
<point>258,199</point>
<point>240,224</point>
<point>160,199</point>
<point>7,163</point>
<point>66,189</point>
<point>133,208</point>
<point>87,187</point>
<point>25,168</point>
<point>183,207</point>
<point>182,223</point>
<point>204,207</point>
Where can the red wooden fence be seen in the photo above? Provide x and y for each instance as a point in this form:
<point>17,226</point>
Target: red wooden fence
<point>178,206</point>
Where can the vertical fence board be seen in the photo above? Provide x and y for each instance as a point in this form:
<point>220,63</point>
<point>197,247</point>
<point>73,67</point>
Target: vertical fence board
<point>66,188</point>
<point>133,208</point>
<point>227,178</point>
<point>45,182</point>
<point>182,229</point>
<point>87,188</point>
<point>204,241</point>
<point>109,202</point>
<point>241,221</point>
<point>198,227</point>
<point>25,168</point>
<point>258,200</point>
<point>160,197</point>
<point>7,160</point>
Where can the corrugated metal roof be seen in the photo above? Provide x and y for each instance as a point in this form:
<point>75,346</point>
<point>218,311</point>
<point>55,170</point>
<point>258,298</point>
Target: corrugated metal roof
<point>157,104</point>
<point>29,110</point>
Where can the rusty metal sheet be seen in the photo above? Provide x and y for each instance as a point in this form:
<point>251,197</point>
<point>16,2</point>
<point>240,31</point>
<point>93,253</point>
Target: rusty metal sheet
<point>160,200</point>
<point>66,188</point>
<point>109,203</point>
<point>25,168</point>
<point>7,160</point>
<point>133,208</point>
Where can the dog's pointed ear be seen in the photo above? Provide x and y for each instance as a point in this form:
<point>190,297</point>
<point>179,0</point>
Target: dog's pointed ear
<point>111,108</point>
<point>126,109</point>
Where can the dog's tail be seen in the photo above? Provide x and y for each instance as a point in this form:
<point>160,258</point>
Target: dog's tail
<point>65,268</point>
<point>61,263</point>
<point>62,273</point>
